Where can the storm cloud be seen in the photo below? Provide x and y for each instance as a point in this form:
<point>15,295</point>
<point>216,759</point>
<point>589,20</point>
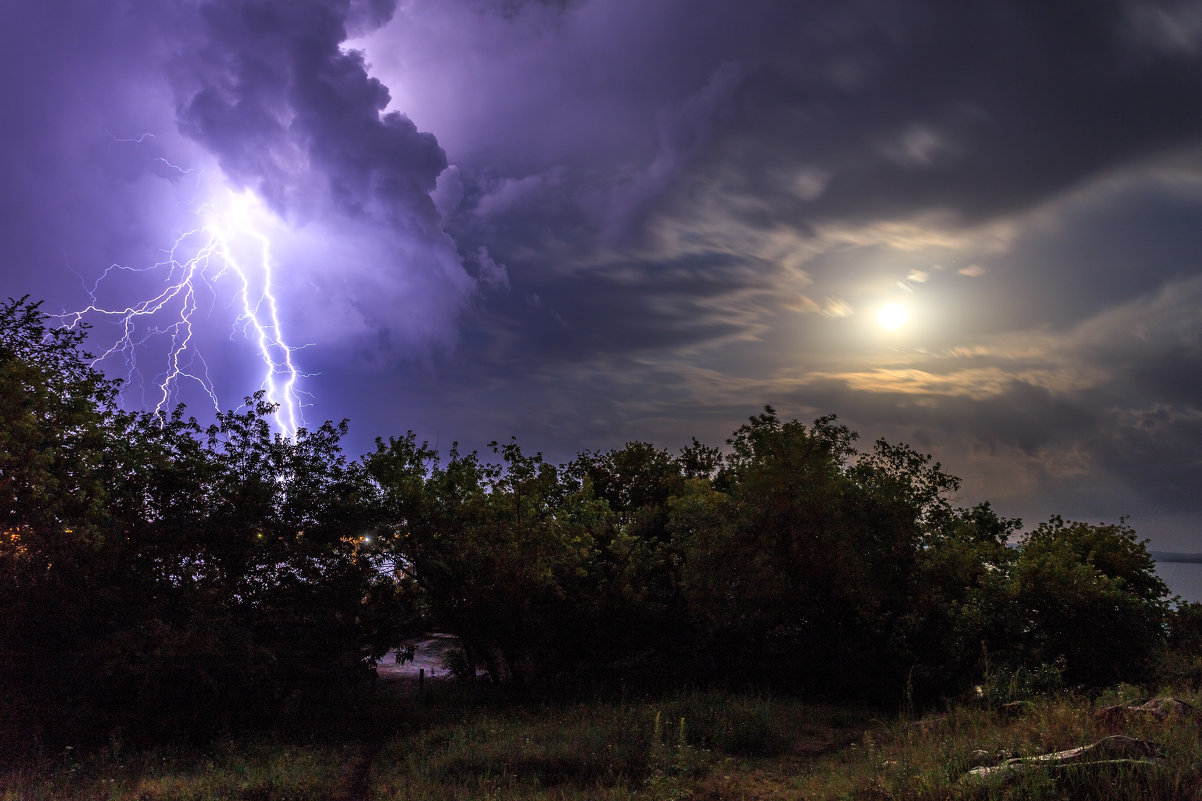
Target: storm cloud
<point>590,221</point>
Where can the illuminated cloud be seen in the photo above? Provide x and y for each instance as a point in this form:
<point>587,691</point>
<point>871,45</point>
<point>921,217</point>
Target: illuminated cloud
<point>269,89</point>
<point>829,307</point>
<point>917,146</point>
<point>1173,26</point>
<point>673,182</point>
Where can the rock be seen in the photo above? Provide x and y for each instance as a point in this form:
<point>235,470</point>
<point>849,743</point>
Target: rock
<point>1162,708</point>
<point>1155,708</point>
<point>980,757</point>
<point>1107,752</point>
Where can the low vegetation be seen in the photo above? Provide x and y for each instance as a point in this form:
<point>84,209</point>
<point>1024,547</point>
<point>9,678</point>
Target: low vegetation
<point>704,745</point>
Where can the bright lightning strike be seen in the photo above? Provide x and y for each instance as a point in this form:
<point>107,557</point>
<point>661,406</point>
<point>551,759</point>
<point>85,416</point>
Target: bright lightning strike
<point>228,246</point>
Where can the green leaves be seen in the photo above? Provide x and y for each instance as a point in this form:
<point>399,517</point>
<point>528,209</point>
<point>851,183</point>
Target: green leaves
<point>149,549</point>
<point>1089,594</point>
<point>792,560</point>
<point>275,568</point>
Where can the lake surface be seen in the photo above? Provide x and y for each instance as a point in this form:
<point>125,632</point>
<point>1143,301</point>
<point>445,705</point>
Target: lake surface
<point>1183,578</point>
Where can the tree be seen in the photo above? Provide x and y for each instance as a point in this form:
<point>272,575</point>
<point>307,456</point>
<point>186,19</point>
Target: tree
<point>161,577</point>
<point>1183,661</point>
<point>57,421</point>
<point>796,559</point>
<point>1088,595</point>
<point>637,618</point>
<point>956,600</point>
<point>504,552</point>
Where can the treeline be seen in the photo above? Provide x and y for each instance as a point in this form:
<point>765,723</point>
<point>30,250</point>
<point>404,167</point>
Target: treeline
<point>164,578</point>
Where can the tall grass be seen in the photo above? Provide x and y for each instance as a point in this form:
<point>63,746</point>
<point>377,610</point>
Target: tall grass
<point>647,749</point>
<point>695,744</point>
<point>929,759</point>
<point>250,771</point>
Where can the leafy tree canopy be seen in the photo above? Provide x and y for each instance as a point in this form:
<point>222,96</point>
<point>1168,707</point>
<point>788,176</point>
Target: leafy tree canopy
<point>217,577</point>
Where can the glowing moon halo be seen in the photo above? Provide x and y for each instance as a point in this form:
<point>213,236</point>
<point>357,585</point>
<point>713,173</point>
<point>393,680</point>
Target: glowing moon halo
<point>892,316</point>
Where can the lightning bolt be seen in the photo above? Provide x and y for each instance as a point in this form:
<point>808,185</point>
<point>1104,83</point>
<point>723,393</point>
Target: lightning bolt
<point>228,246</point>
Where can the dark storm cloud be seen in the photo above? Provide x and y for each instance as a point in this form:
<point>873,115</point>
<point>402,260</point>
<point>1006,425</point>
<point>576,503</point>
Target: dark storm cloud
<point>269,90</point>
<point>779,157</point>
<point>774,121</point>
<point>981,109</point>
<point>976,108</point>
<point>645,220</point>
<point>126,122</point>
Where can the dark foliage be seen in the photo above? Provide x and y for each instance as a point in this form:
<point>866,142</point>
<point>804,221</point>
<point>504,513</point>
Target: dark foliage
<point>794,561</point>
<point>159,578</point>
<point>162,579</point>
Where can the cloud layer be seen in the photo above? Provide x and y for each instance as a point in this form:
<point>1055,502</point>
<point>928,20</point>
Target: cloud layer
<point>596,220</point>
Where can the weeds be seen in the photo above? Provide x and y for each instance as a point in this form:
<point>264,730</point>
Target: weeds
<point>699,744</point>
<point>229,771</point>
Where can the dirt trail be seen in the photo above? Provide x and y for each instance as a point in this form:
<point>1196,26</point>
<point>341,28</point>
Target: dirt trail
<point>428,658</point>
<point>358,781</point>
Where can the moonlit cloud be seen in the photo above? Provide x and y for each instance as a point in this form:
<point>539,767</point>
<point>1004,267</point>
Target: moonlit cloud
<point>590,221</point>
<point>828,307</point>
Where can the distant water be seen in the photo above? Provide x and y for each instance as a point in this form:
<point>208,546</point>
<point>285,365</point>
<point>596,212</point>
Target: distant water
<point>1183,578</point>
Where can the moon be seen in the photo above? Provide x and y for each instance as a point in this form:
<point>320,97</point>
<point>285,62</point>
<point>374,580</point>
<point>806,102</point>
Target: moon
<point>892,316</point>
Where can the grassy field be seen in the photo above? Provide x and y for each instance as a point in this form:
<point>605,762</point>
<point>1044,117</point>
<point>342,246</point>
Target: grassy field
<point>701,745</point>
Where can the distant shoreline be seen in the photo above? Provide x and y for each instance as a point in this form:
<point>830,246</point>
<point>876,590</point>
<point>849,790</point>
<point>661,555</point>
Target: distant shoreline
<point>1168,556</point>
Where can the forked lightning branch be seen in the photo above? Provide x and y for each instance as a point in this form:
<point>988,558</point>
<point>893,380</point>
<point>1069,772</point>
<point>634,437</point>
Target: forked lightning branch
<point>221,268</point>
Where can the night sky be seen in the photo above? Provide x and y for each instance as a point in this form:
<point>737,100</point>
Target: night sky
<point>586,222</point>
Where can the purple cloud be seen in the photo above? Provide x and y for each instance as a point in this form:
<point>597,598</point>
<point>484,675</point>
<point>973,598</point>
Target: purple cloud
<point>593,220</point>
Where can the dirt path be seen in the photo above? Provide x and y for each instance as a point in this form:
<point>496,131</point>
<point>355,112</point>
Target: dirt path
<point>428,655</point>
<point>358,782</point>
<point>428,661</point>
